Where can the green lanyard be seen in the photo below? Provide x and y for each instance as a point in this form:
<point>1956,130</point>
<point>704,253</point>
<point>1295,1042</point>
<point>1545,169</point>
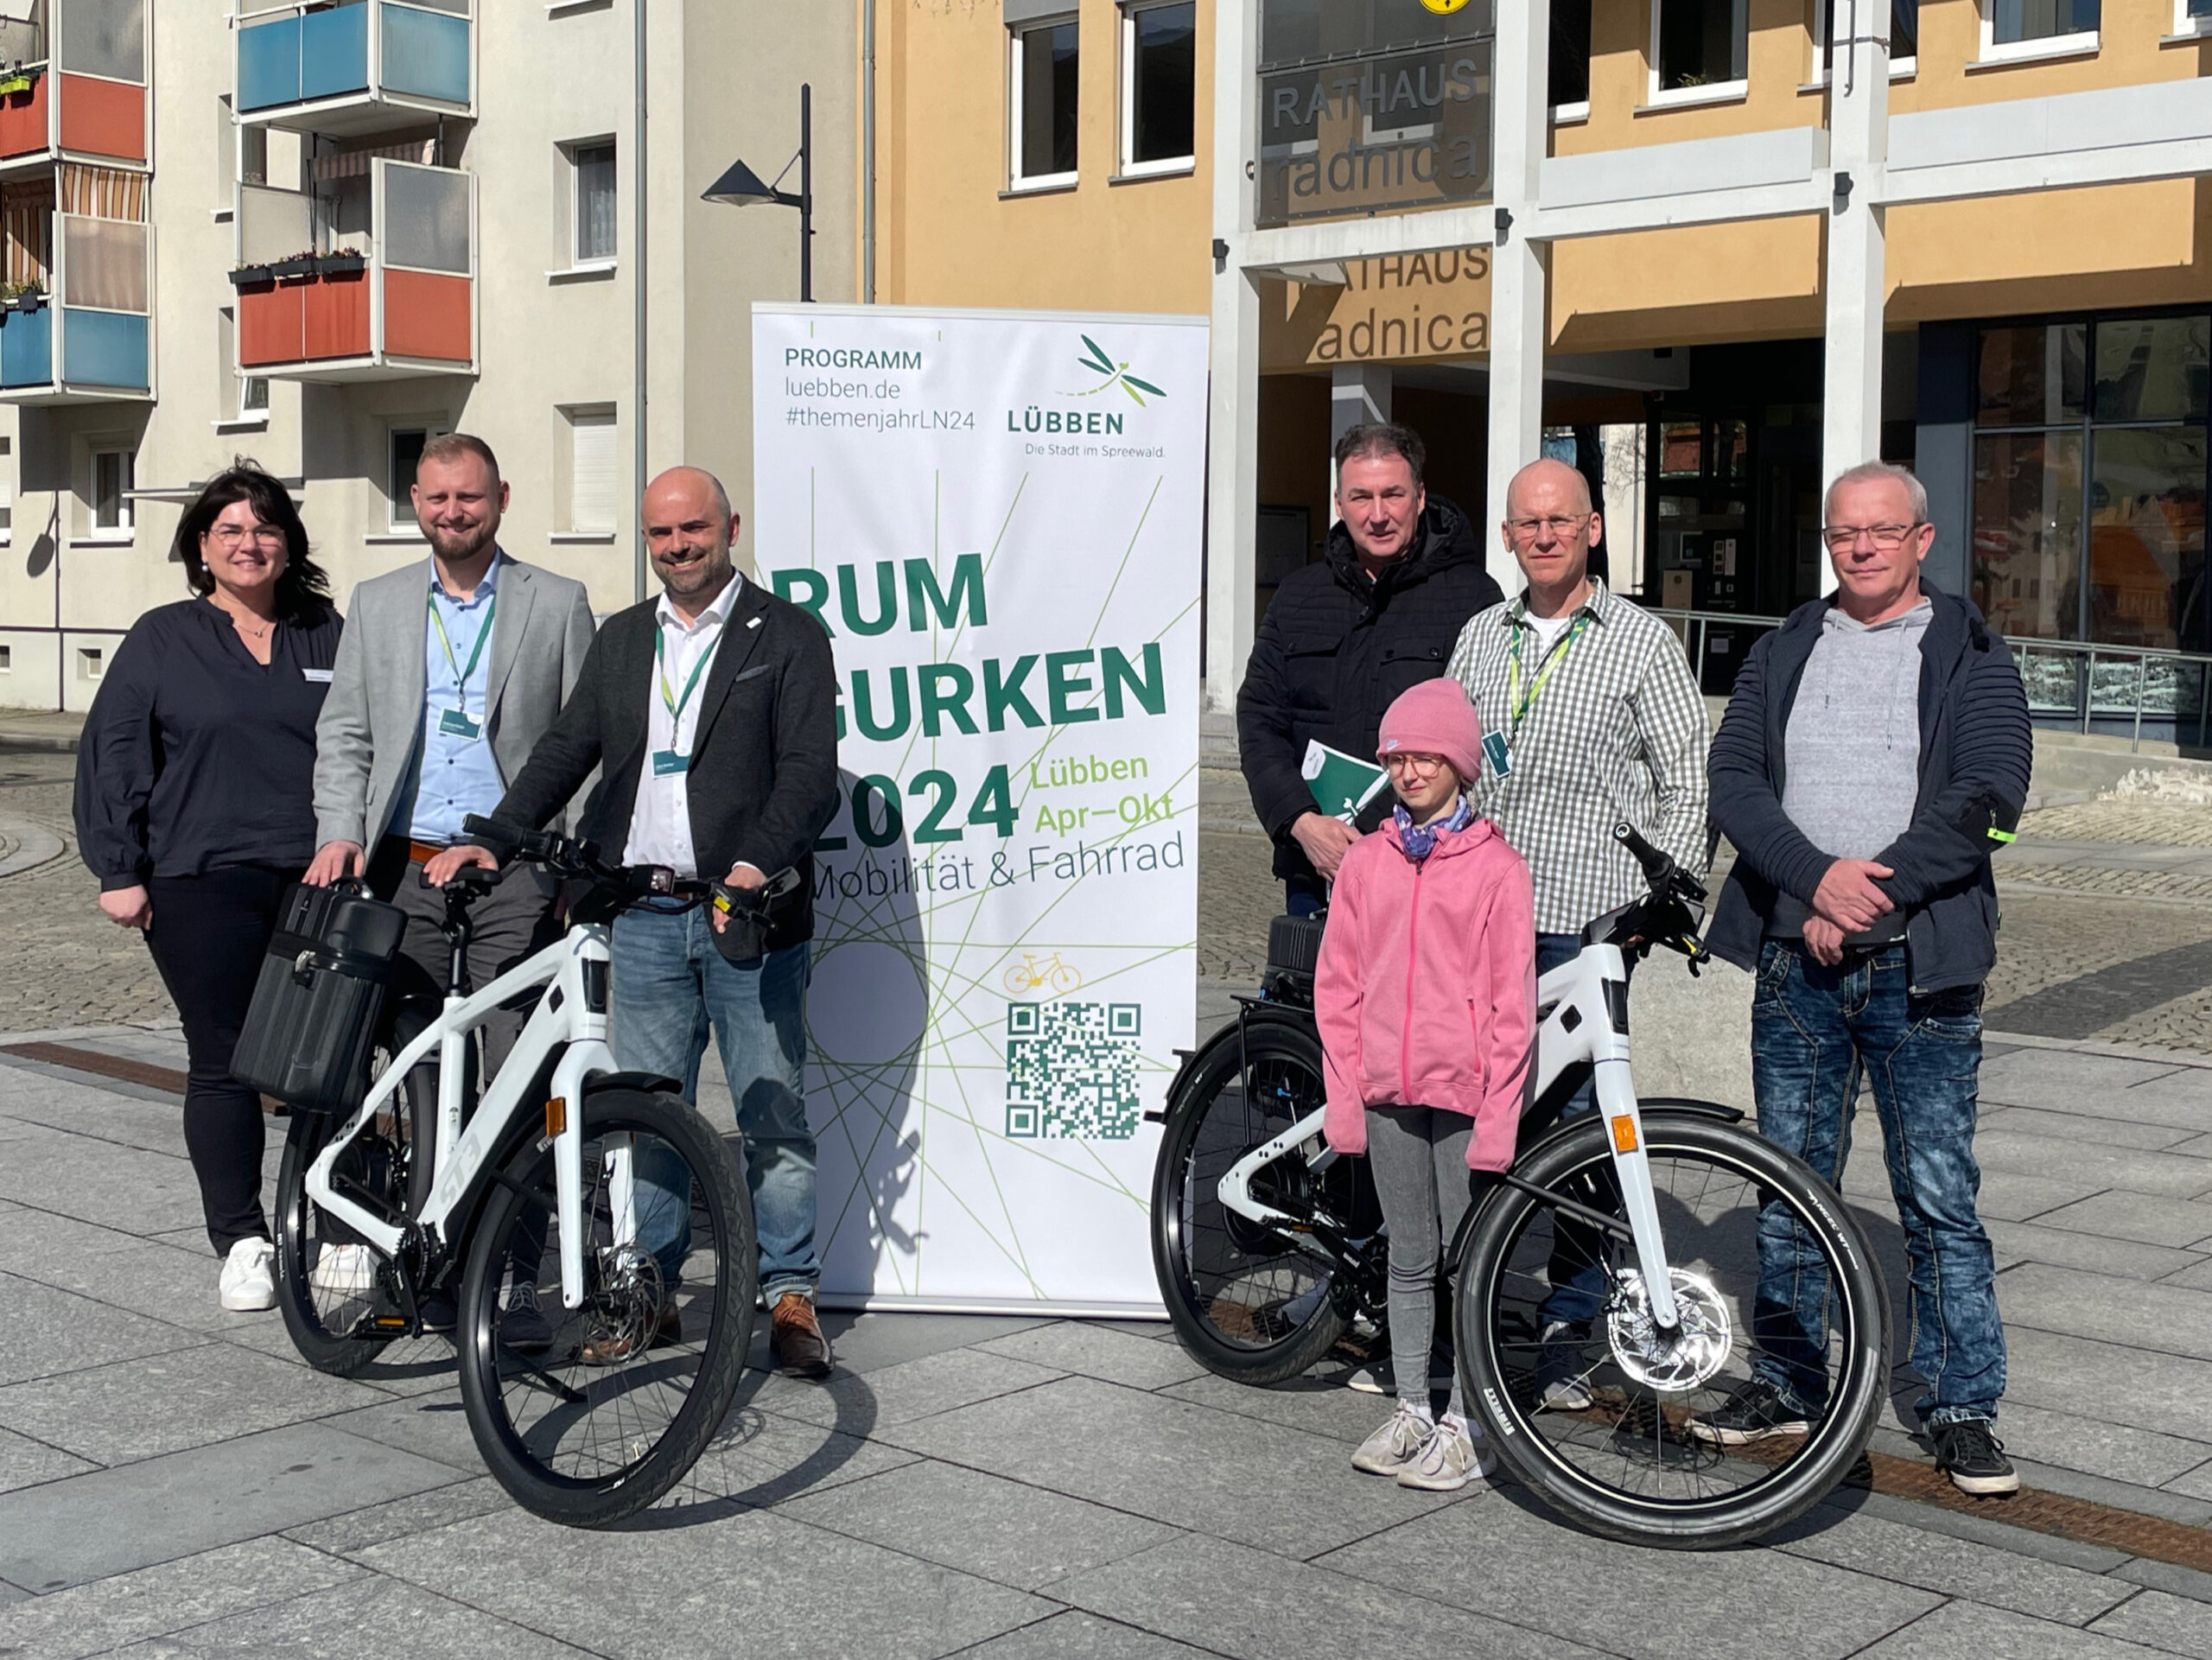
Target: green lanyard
<point>1520,705</point>
<point>460,674</point>
<point>676,705</point>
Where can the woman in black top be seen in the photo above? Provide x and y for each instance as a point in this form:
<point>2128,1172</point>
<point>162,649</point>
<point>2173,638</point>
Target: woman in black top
<point>195,809</point>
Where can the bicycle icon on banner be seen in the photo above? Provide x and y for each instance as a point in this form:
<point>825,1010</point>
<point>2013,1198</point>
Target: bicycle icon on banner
<point>1035,973</point>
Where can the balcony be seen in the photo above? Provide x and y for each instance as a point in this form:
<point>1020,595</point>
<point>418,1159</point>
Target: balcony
<point>73,86</point>
<point>77,326</point>
<point>368,276</point>
<point>353,67</point>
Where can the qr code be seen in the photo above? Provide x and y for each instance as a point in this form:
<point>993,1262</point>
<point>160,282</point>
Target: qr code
<point>1071,1070</point>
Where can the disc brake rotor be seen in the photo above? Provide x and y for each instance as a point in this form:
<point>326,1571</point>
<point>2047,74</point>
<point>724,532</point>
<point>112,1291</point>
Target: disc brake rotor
<point>1675,1361</point>
<point>622,1314</point>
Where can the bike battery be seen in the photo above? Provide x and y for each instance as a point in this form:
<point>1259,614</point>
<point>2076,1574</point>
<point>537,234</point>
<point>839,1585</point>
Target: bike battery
<point>314,1018</point>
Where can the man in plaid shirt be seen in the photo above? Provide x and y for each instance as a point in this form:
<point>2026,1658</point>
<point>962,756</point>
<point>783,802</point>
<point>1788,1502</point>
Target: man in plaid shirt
<point>1590,716</point>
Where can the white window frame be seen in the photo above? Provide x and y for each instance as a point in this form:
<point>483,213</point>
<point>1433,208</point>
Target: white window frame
<point>2084,43</point>
<point>91,662</point>
<point>124,529</point>
<point>399,510</point>
<point>2187,28</point>
<point>573,418</point>
<point>1719,92</point>
<point>237,414</point>
<point>7,658</point>
<point>1018,180</point>
<point>570,149</point>
<point>1900,68</point>
<point>1126,116</point>
<point>7,490</point>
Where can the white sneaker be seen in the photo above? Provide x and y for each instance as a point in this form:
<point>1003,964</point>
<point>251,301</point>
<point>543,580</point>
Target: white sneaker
<point>247,1284</point>
<point>1450,1460</point>
<point>1563,1370</point>
<point>1392,1447</point>
<point>343,1271</point>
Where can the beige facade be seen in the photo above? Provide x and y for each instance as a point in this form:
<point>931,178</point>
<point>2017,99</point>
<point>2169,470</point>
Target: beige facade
<point>552,332</point>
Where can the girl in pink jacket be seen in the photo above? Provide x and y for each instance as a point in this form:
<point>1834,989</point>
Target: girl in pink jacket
<point>1426,1001</point>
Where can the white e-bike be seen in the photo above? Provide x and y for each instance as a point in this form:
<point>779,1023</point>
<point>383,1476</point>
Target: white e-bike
<point>595,1199</point>
<point>1609,1292</point>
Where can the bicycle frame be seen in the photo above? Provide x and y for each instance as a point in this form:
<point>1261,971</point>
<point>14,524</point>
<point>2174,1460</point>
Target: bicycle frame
<point>1582,1008</point>
<point>564,1016</point>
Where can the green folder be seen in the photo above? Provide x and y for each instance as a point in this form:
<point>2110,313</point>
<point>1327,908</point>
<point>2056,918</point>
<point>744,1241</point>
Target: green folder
<point>1341,784</point>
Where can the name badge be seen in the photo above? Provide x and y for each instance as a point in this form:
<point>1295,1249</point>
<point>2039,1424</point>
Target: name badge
<point>453,724</point>
<point>1501,757</point>
<point>318,677</point>
<point>666,761</point>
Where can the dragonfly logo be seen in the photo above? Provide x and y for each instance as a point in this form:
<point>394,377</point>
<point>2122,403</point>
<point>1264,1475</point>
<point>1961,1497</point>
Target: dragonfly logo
<point>1096,359</point>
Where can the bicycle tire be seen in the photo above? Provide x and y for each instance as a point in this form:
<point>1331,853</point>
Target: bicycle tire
<point>397,1160</point>
<point>1523,1432</point>
<point>1247,1303</point>
<point>515,1454</point>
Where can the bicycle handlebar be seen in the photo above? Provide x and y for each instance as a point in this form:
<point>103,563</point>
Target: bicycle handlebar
<point>1665,876</point>
<point>567,856</point>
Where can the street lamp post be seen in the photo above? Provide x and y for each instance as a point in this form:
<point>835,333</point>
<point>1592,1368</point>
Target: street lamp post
<point>740,187</point>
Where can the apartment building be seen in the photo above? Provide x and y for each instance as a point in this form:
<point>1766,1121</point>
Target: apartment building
<point>315,234</point>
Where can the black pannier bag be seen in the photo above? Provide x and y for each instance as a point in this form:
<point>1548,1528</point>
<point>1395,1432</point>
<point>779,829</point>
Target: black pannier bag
<point>307,1036</point>
<point>1293,955</point>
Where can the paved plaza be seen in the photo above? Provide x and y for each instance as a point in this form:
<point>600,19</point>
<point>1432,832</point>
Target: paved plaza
<point>174,1482</point>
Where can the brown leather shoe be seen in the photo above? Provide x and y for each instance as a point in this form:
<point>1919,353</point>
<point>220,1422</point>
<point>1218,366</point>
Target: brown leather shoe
<point>617,1349</point>
<point>795,1337</point>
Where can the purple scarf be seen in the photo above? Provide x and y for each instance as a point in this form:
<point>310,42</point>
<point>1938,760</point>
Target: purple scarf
<point>1417,842</point>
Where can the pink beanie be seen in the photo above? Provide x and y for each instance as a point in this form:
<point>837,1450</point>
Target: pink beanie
<point>1436,718</point>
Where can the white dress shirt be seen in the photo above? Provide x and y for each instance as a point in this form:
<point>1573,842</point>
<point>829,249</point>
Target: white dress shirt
<point>660,823</point>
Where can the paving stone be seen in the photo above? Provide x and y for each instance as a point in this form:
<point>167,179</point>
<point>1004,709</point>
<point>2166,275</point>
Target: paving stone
<point>2060,1372</point>
<point>1233,1600</point>
<point>763,1458</point>
<point>2182,1098</point>
<point>376,1525</point>
<point>156,1601</point>
<point>769,1584</point>
<point>1776,1603</point>
<point>97,1182</point>
<point>866,1343</point>
<point>109,1521</point>
<point>2173,1580</point>
<point>1283,1490</point>
<point>857,1401</point>
<point>981,1524</point>
<point>1318,1406</point>
<point>33,1242</point>
<point>429,1426</point>
<point>161,1403</point>
<point>2171,1319</point>
<point>25,1462</point>
<point>1099,1351</point>
<point>371,1616</point>
<point>178,1285</point>
<point>2065,1080</point>
<point>2171,1222</point>
<point>101,1113</point>
<point>1965,1630</point>
<point>2080,1126</point>
<point>2096,1446</point>
<point>2197,1484</point>
<point>1075,1636</point>
<point>2130,1169</point>
<point>2174,1625</point>
<point>1953,1567</point>
<point>57,1331</point>
<point>1980,1528</point>
<point>2006,1194</point>
<point>2038,1242</point>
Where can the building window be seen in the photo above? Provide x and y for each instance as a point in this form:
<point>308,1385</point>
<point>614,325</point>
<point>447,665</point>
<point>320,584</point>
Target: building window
<point>1698,48</point>
<point>1904,37</point>
<point>253,396</point>
<point>2030,28</point>
<point>7,660</point>
<point>1043,112</point>
<point>7,490</point>
<point>114,476</point>
<point>1158,86</point>
<point>404,449</point>
<point>2089,482</point>
<point>592,202</point>
<point>592,466</point>
<point>2192,16</point>
<point>1570,60</point>
<point>242,397</point>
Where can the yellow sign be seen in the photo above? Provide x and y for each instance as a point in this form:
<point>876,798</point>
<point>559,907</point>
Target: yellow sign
<point>1444,7</point>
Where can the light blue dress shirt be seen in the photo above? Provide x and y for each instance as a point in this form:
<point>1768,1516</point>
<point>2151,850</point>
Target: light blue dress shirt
<point>453,775</point>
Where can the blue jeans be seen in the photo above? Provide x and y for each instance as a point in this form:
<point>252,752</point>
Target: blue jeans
<point>671,987</point>
<point>1577,1264</point>
<point>1815,1031</point>
<point>1304,895</point>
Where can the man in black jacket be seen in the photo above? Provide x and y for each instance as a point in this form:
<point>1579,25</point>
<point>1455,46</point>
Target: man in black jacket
<point>711,712</point>
<point>1345,636</point>
<point>1876,752</point>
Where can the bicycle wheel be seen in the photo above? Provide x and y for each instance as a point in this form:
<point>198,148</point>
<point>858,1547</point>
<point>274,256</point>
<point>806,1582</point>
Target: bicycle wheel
<point>1622,1449</point>
<point>329,1284</point>
<point>638,1378</point>
<point>1248,1301</point>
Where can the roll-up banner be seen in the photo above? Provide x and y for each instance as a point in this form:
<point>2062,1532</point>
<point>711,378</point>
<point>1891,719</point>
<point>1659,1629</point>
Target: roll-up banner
<point>997,516</point>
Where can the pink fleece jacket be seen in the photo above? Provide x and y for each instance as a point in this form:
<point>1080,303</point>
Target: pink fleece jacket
<point>1427,990</point>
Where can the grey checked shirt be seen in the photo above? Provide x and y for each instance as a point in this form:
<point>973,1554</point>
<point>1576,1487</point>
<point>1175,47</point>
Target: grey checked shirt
<point>1618,732</point>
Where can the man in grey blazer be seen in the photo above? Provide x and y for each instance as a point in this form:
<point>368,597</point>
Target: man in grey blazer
<point>445,680</point>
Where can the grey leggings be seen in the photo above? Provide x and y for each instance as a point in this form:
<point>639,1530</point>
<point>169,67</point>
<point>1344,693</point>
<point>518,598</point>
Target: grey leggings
<point>1419,1158</point>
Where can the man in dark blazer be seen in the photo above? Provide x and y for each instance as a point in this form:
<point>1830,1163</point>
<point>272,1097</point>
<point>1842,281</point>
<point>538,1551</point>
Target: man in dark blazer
<point>712,714</point>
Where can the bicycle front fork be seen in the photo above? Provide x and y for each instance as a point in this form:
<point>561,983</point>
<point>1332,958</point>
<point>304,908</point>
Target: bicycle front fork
<point>1632,1168</point>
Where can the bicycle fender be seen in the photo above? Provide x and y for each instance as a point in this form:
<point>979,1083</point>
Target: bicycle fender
<point>650,1083</point>
<point>1254,1013</point>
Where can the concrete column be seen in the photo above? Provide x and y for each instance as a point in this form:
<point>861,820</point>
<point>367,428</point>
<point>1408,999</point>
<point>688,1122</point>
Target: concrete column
<point>1520,133</point>
<point>1232,487</point>
<point>1859,106</point>
<point>1358,393</point>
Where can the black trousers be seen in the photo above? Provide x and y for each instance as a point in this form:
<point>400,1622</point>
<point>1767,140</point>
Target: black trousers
<point>208,936</point>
